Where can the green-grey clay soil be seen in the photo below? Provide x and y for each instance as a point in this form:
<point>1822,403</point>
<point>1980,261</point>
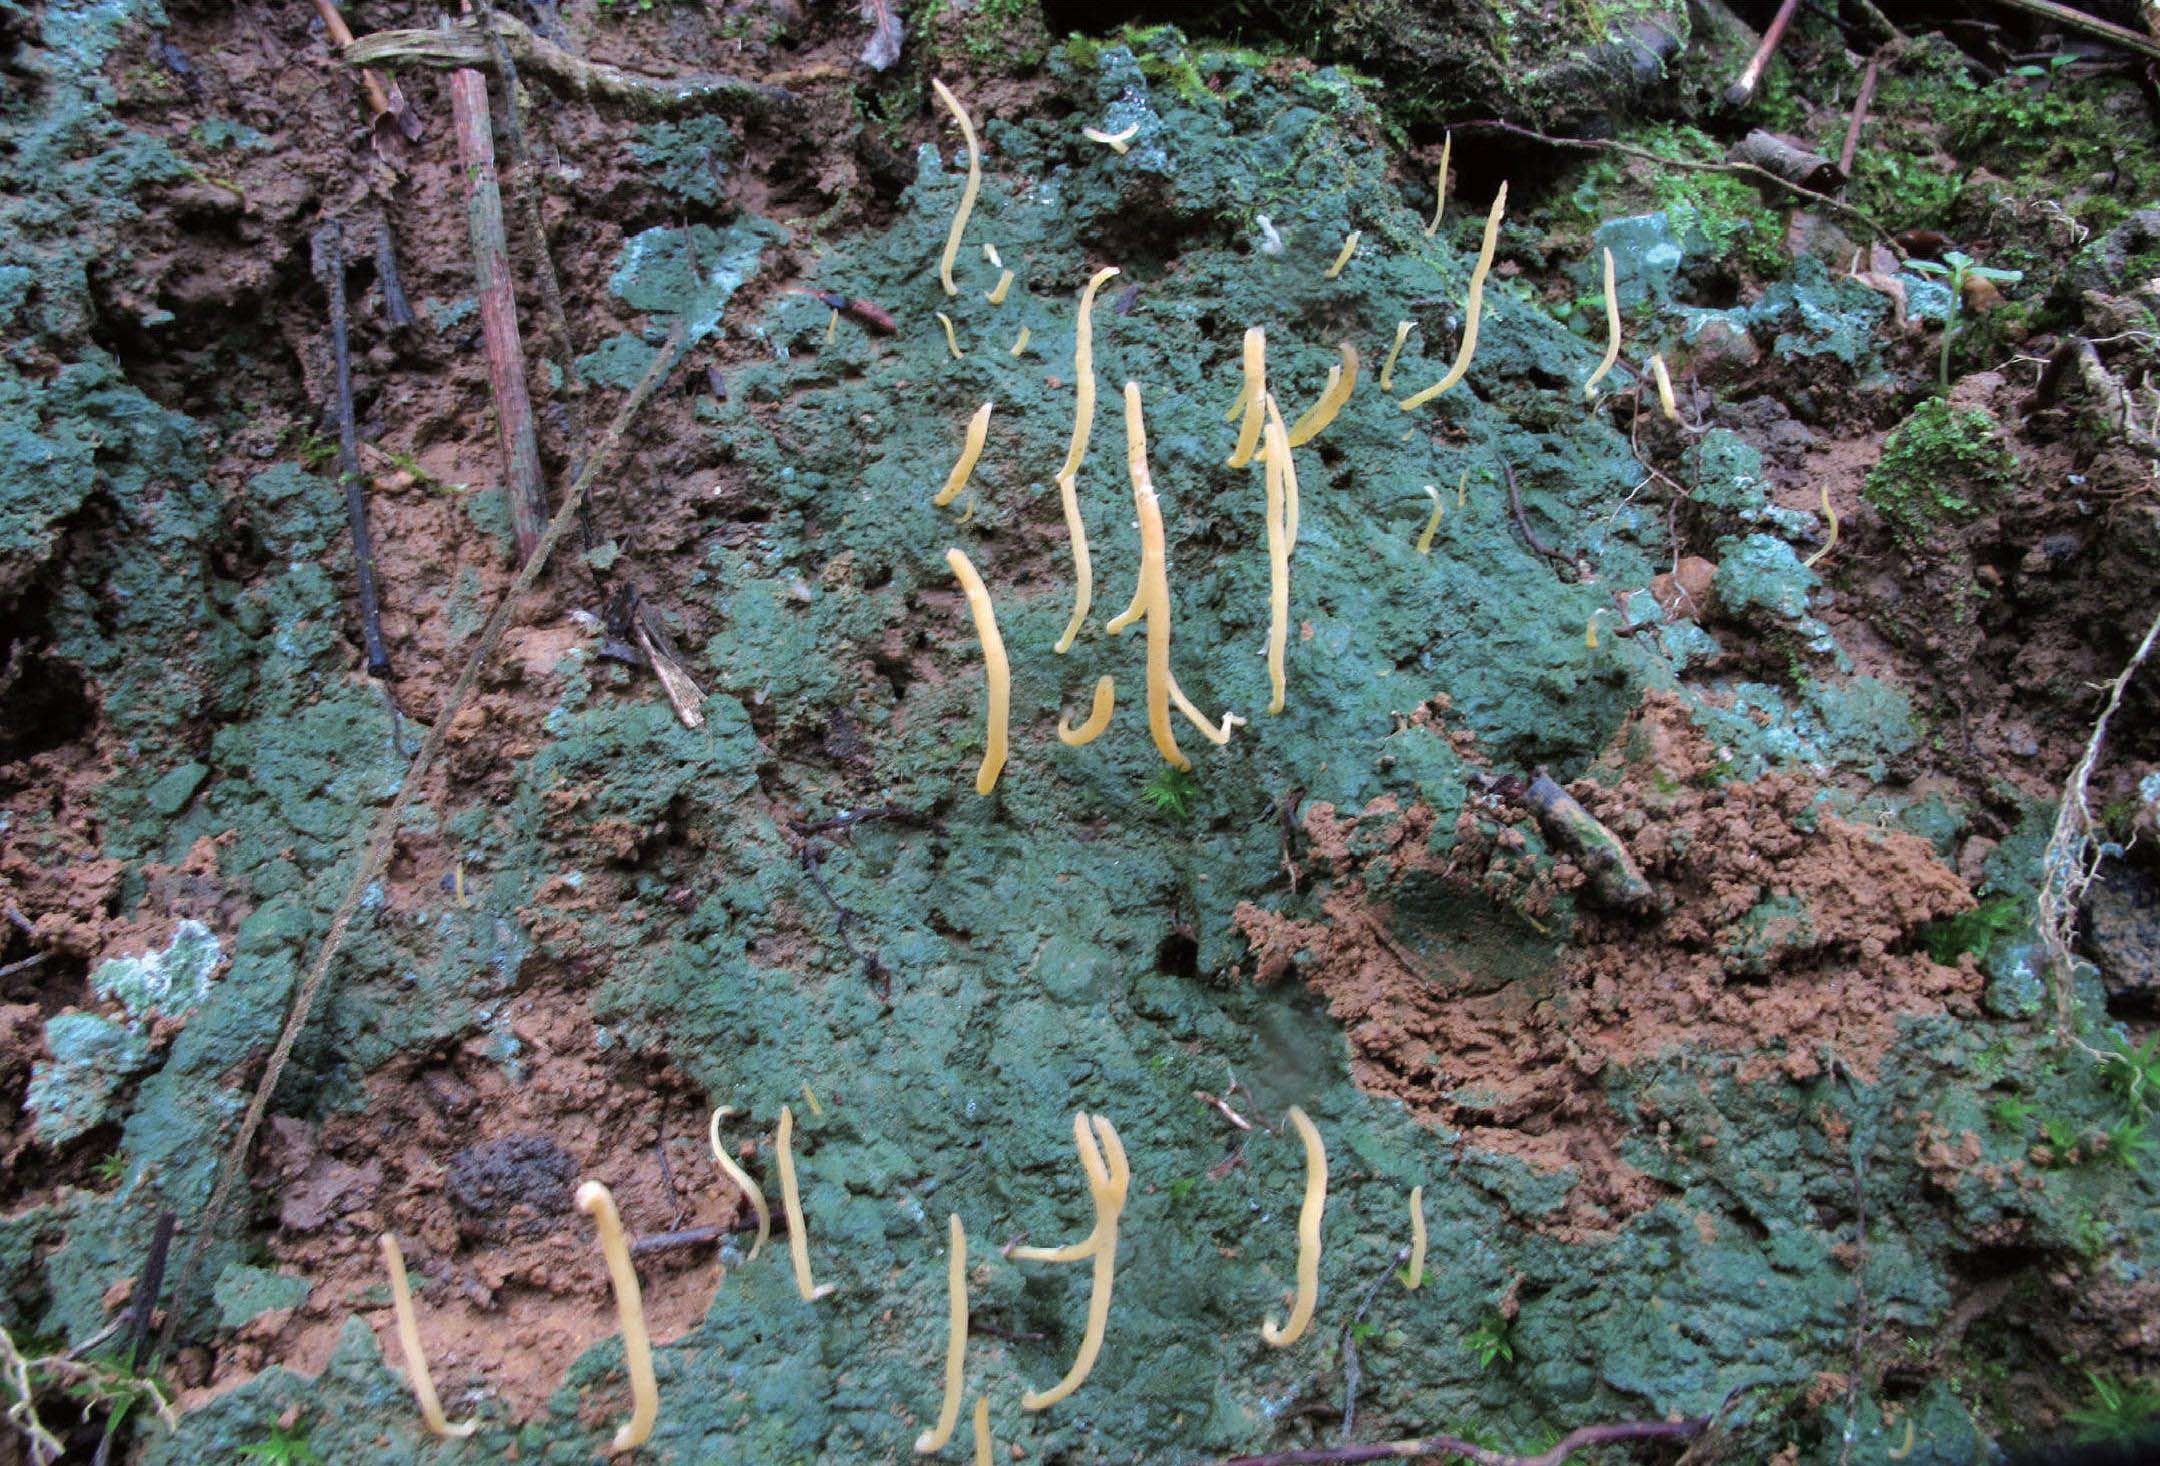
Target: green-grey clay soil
<point>1807,1147</point>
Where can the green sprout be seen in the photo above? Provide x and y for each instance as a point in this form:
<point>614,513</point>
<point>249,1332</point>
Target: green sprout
<point>1171,792</point>
<point>284,1446</point>
<point>2118,1411</point>
<point>1489,1341</point>
<point>2134,1071</point>
<point>1957,268</point>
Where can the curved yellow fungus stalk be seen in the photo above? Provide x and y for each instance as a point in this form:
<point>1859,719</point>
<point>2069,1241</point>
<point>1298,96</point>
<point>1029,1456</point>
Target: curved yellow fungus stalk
<point>1349,248</point>
<point>1075,451</point>
<point>990,253</point>
<point>1248,437</point>
<point>952,342</point>
<point>742,1179</point>
<point>996,670</point>
<point>1472,309</point>
<point>1098,717</point>
<point>1278,554</point>
<point>1108,1181</point>
<point>593,1200</point>
<point>1670,408</point>
<point>832,325</point>
<point>1447,147</point>
<point>1116,142</point>
<point>1462,488</point>
<point>983,1443</point>
<point>934,1439</point>
<point>997,296</point>
<point>1589,632</point>
<point>1415,1273</point>
<point>967,195</point>
<point>1424,541</point>
<point>1612,333</point>
<point>978,429</point>
<point>408,1332</point>
<point>798,1241</point>
<point>1308,1257</point>
<point>1387,368</point>
<point>1019,342</point>
<point>1341,382</point>
<point>1830,543</point>
<point>1151,601</point>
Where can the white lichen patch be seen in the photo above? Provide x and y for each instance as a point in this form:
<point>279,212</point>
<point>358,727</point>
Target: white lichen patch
<point>167,984</point>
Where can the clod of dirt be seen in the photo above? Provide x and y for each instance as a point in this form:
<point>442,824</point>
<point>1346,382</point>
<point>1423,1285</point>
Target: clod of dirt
<point>516,1186</point>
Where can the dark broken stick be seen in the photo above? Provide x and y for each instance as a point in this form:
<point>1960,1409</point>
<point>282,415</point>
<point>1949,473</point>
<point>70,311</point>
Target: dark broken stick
<point>142,1308</point>
<point>1447,1445</point>
<point>388,276</point>
<point>1742,91</point>
<point>330,265</point>
<point>498,310</point>
<point>565,71</point>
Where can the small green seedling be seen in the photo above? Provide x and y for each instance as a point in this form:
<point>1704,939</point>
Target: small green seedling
<point>284,1446</point>
<point>1171,792</point>
<point>1489,1341</point>
<point>2134,1071</point>
<point>1957,268</point>
<point>2118,1410</point>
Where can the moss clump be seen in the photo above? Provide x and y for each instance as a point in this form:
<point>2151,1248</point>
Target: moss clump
<point>1941,466</point>
<point>1713,216</point>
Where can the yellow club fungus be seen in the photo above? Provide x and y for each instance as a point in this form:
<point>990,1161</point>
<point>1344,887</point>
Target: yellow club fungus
<point>1447,147</point>
<point>1612,333</point>
<point>996,670</point>
<point>1670,408</point>
<point>990,253</point>
<point>967,195</point>
<point>983,1444</point>
<point>1472,309</point>
<point>1116,142</point>
<point>934,1439</point>
<point>1109,1178</point>
<point>978,429</point>
<point>1075,451</point>
<point>742,1180</point>
<point>1249,402</point>
<point>997,296</point>
<point>817,1111</point>
<point>1462,488</point>
<point>593,1200</point>
<point>1424,541</point>
<point>952,342</point>
<point>832,326</point>
<point>1589,632</point>
<point>1098,717</point>
<point>1308,1258</point>
<point>408,1332</point>
<point>1151,601</point>
<point>1278,554</point>
<point>1019,342</point>
<point>1341,382</point>
<point>1830,543</point>
<point>1387,368</point>
<point>1415,1273</point>
<point>1349,248</point>
<point>798,1242</point>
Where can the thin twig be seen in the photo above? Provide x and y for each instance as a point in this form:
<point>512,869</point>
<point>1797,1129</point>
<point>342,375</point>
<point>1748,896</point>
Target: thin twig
<point>514,432</point>
<point>1742,91</point>
<point>142,1308</point>
<point>382,93</point>
<point>330,263</point>
<point>383,835</point>
<point>1448,1445</point>
<point>2091,25</point>
<point>564,70</point>
<point>1522,520</point>
<point>387,275</point>
<point>1859,117</point>
<point>1693,165</point>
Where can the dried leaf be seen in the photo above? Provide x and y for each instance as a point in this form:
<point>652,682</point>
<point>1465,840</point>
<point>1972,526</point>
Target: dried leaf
<point>885,35</point>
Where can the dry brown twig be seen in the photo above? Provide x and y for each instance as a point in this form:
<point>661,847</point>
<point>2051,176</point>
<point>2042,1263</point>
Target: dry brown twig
<point>1448,1445</point>
<point>382,93</point>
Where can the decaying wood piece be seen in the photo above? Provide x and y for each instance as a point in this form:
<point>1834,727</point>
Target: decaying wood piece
<point>2093,25</point>
<point>498,310</point>
<point>1615,879</point>
<point>1742,91</point>
<point>463,45</point>
<point>1796,165</point>
<point>382,93</point>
